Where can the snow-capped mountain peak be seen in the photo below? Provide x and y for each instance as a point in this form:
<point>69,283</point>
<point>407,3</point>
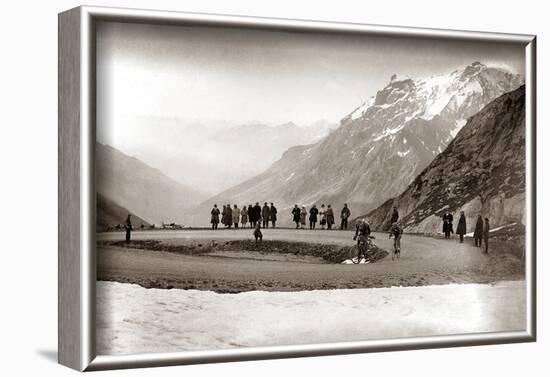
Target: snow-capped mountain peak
<point>456,96</point>
<point>382,145</point>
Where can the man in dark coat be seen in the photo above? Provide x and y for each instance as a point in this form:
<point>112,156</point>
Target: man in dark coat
<point>478,232</point>
<point>251,216</point>
<point>344,215</point>
<point>313,212</point>
<point>447,224</point>
<point>128,227</point>
<point>228,216</point>
<point>461,228</point>
<point>273,215</point>
<point>266,214</point>
<point>330,217</point>
<point>257,213</point>
<point>224,215</point>
<point>215,219</point>
<point>394,216</point>
<point>296,215</point>
<point>486,229</point>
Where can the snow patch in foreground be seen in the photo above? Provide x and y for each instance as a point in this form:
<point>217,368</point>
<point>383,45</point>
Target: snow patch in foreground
<point>132,319</point>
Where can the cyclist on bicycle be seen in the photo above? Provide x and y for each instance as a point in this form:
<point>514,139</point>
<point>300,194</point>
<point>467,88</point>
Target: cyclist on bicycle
<point>396,231</point>
<point>362,234</point>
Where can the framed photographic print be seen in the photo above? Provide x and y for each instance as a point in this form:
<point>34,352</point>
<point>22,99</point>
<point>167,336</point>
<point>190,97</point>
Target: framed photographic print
<point>237,188</point>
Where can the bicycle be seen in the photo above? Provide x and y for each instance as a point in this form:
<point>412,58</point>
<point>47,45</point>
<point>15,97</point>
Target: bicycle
<point>359,251</point>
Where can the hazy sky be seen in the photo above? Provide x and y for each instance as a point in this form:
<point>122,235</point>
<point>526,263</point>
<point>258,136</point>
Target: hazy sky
<point>203,74</point>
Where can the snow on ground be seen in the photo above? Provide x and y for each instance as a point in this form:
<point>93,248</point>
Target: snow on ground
<point>132,319</point>
<point>471,234</point>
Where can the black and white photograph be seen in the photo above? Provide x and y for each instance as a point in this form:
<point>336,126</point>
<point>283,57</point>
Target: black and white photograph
<point>269,188</point>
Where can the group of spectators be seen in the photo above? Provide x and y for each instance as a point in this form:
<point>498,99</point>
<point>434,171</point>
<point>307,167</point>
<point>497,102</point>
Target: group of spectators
<point>481,230</point>
<point>255,215</point>
<point>252,215</point>
<point>324,215</point>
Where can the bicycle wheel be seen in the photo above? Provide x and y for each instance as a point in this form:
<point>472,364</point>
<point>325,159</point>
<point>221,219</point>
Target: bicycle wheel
<point>354,254</point>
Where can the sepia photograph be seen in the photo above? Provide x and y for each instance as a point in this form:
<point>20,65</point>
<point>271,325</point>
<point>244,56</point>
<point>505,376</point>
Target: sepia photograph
<point>259,188</point>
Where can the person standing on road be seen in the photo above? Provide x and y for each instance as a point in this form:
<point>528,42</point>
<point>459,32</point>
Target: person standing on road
<point>313,212</point>
<point>394,216</point>
<point>224,215</point>
<point>461,228</point>
<point>323,214</point>
<point>303,214</point>
<point>215,219</point>
<point>273,215</point>
<point>257,213</point>
<point>447,224</point>
<point>128,227</point>
<point>236,216</point>
<point>486,230</point>
<point>478,232</point>
<point>265,215</point>
<point>251,216</point>
<point>296,215</point>
<point>330,217</point>
<point>228,216</point>
<point>244,217</point>
<point>344,215</point>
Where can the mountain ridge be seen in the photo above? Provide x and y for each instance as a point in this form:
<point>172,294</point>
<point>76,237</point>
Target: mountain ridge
<point>141,188</point>
<point>380,147</point>
<point>482,171</point>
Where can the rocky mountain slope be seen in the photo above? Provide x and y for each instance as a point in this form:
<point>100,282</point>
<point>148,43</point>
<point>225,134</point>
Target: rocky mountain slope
<point>381,146</point>
<point>142,189</point>
<point>482,171</point>
<point>109,215</point>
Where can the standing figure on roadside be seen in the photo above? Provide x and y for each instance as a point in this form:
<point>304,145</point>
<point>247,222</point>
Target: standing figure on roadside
<point>323,215</point>
<point>478,232</point>
<point>313,212</point>
<point>257,213</point>
<point>224,215</point>
<point>461,228</point>
<point>251,216</point>
<point>330,217</point>
<point>296,215</point>
<point>236,216</point>
<point>447,224</point>
<point>229,216</point>
<point>486,230</point>
<point>273,215</point>
<point>244,216</point>
<point>394,216</point>
<point>344,215</point>
<point>265,215</point>
<point>303,214</point>
<point>128,227</point>
<point>215,219</point>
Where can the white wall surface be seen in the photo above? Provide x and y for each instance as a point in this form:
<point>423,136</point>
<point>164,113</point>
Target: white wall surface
<point>28,158</point>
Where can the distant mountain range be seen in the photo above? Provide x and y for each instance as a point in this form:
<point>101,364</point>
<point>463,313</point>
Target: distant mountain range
<point>228,155</point>
<point>141,189</point>
<point>380,147</point>
<point>482,171</point>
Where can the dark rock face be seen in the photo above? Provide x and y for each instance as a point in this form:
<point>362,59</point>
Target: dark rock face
<point>482,171</point>
<point>380,147</point>
<point>109,214</point>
